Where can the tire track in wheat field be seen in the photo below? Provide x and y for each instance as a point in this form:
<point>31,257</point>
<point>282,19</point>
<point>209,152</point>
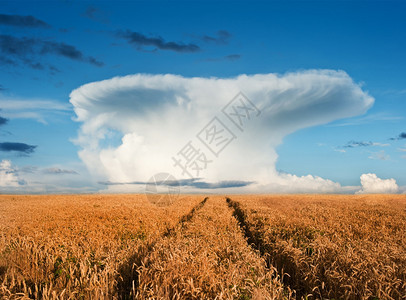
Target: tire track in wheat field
<point>128,275</point>
<point>206,257</point>
<point>256,240</point>
<point>185,218</point>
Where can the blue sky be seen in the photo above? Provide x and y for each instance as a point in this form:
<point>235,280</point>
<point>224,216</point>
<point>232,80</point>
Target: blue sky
<point>50,48</point>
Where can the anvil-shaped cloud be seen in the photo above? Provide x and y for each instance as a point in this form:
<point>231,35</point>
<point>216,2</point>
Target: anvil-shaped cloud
<point>155,116</point>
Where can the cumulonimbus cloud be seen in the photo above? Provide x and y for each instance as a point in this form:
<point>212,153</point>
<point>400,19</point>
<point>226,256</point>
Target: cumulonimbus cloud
<point>372,184</point>
<point>133,126</point>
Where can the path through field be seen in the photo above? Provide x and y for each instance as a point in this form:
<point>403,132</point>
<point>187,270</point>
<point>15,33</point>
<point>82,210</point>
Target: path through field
<point>206,256</point>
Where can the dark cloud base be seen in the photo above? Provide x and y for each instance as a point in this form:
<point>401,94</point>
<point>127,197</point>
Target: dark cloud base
<point>195,182</point>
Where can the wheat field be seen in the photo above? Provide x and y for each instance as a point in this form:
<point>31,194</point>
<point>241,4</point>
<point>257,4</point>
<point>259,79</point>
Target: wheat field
<point>216,247</point>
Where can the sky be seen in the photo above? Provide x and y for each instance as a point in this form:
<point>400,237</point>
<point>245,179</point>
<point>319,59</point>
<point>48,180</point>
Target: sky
<point>225,97</point>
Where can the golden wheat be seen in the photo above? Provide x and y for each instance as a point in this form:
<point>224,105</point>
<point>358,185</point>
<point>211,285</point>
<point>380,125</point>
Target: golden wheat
<point>248,247</point>
<point>76,246</point>
<point>335,247</point>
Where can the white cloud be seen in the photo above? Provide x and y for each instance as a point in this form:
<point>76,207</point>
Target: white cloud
<point>156,115</point>
<point>380,155</point>
<point>8,176</point>
<point>37,109</point>
<point>372,184</point>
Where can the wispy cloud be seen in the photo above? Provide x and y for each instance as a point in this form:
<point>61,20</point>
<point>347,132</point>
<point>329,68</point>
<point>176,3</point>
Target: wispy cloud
<point>16,104</point>
<point>355,144</point>
<point>401,136</point>
<point>140,40</point>
<point>17,147</point>
<point>394,91</point>
<point>29,51</point>
<point>231,57</point>
<point>7,61</point>
<point>222,37</point>
<point>380,155</point>
<point>59,171</point>
<point>96,14</point>
<point>381,117</point>
<point>68,51</point>
<point>22,21</point>
<point>28,169</point>
<point>40,110</point>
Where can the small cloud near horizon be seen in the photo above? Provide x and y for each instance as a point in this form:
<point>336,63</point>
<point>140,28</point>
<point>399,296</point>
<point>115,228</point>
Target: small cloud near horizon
<point>59,171</point>
<point>372,184</point>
